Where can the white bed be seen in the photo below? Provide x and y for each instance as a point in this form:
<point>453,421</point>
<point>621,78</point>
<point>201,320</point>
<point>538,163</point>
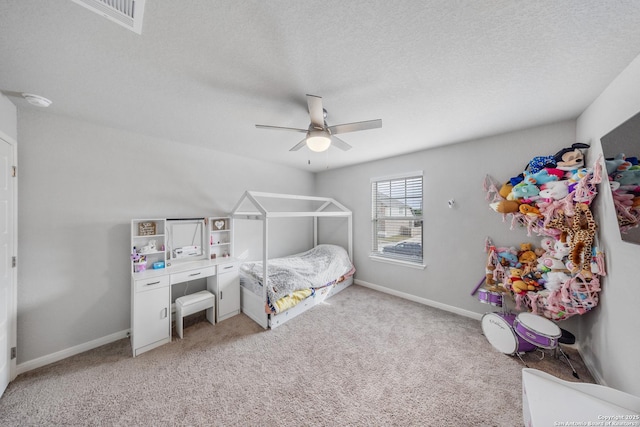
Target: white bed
<point>321,271</point>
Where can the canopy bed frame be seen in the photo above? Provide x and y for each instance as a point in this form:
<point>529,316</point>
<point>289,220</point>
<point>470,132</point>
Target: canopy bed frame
<point>251,206</point>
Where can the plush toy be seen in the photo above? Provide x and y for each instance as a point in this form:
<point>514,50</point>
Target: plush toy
<point>617,164</point>
<point>529,210</point>
<point>524,190</point>
<point>489,278</point>
<point>540,177</point>
<point>557,172</point>
<point>628,177</point>
<point>505,190</point>
<point>581,234</point>
<point>555,190</point>
<point>490,268</point>
<point>547,263</point>
<point>505,206</point>
<point>534,278</point>
<point>571,157</point>
<point>525,246</point>
<point>516,283</point>
<point>547,243</point>
<point>560,249</point>
<point>513,181</point>
<point>553,259</point>
<point>539,162</point>
<point>577,174</point>
<point>527,257</point>
<point>550,260</point>
<point>555,279</point>
<point>508,258</point>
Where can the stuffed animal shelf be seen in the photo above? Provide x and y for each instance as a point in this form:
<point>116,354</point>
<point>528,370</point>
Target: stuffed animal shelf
<point>559,276</point>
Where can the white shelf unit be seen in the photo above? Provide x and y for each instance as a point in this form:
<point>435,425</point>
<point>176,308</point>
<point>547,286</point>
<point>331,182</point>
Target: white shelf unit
<point>220,237</point>
<point>144,232</point>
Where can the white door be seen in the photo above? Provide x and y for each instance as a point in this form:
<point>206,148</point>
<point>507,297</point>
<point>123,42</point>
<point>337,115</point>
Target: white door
<point>7,290</point>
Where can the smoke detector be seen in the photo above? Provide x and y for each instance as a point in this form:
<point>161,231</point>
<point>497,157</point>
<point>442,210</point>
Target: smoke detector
<point>127,13</point>
<point>37,100</point>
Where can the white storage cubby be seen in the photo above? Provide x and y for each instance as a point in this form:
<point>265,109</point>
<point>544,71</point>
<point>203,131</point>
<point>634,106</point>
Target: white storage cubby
<point>148,242</point>
<point>220,237</point>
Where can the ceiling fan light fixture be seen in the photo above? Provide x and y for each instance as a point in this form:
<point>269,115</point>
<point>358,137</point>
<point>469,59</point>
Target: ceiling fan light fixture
<point>318,140</point>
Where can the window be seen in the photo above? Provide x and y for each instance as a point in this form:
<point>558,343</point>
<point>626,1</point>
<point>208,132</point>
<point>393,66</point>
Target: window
<point>396,213</point>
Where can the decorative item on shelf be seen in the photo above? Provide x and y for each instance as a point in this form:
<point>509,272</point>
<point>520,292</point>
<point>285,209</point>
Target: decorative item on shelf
<point>139,261</point>
<point>158,265</point>
<point>219,224</point>
<point>147,228</point>
<point>140,266</point>
<point>149,247</point>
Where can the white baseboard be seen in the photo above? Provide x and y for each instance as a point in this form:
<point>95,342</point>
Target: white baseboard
<point>63,354</point>
<point>588,363</point>
<point>420,300</point>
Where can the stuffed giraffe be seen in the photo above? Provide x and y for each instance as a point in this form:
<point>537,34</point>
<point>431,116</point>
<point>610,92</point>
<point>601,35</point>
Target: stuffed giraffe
<point>581,232</point>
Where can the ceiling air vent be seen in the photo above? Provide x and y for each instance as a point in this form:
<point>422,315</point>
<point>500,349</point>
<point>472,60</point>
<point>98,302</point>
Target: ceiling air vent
<point>127,13</point>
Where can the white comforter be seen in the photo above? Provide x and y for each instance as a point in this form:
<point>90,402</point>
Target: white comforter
<point>315,268</point>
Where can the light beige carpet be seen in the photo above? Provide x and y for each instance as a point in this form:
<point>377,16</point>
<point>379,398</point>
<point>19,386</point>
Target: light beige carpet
<point>364,358</point>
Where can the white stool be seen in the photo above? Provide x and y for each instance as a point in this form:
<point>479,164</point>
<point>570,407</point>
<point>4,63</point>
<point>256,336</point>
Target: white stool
<point>193,303</point>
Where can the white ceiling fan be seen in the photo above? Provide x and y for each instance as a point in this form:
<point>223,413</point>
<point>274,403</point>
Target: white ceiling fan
<point>320,136</point>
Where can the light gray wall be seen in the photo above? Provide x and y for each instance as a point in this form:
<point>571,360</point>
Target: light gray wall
<point>609,334</point>
<point>8,118</point>
<point>80,186</point>
<point>453,238</point>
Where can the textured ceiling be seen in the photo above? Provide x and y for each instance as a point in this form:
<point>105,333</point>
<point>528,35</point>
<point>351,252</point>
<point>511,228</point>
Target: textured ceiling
<point>204,72</point>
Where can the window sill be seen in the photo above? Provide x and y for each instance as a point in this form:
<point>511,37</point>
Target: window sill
<point>397,262</point>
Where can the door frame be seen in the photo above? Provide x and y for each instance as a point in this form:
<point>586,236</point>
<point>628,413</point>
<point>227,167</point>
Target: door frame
<point>13,297</point>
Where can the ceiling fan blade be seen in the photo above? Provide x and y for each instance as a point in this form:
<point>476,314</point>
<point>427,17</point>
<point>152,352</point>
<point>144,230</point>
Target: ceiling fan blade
<point>316,112</point>
<point>299,145</point>
<point>281,128</point>
<point>338,143</point>
<point>356,126</point>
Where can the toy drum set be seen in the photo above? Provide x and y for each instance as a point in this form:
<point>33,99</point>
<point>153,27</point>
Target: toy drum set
<point>517,334</point>
<point>488,297</point>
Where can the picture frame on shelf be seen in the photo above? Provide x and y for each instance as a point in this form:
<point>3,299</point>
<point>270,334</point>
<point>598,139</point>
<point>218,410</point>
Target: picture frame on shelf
<point>146,228</point>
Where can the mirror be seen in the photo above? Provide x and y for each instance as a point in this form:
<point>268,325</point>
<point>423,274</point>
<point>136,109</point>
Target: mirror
<point>621,149</point>
<point>185,239</point>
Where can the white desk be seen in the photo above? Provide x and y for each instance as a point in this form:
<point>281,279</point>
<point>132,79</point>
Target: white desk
<point>151,297</point>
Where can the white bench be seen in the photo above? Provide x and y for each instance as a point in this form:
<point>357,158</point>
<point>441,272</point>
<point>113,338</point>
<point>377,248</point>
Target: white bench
<point>193,303</point>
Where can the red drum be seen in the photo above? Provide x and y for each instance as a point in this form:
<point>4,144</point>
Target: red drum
<point>487,297</point>
<point>537,330</point>
<point>498,329</point>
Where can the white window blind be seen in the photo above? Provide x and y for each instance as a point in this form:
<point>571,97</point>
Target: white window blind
<point>396,213</point>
